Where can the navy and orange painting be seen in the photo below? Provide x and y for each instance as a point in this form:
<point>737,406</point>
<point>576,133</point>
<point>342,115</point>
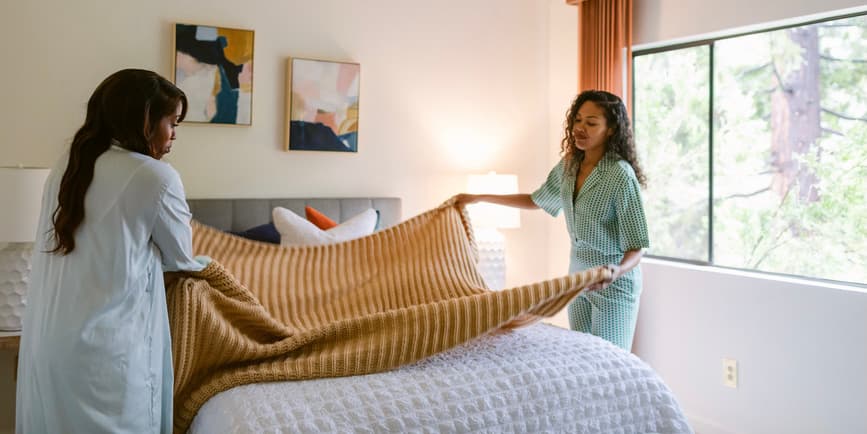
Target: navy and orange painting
<point>214,67</point>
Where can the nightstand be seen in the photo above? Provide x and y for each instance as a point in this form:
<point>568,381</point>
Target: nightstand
<point>10,341</point>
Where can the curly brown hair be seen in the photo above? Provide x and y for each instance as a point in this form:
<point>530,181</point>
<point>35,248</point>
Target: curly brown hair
<point>616,117</point>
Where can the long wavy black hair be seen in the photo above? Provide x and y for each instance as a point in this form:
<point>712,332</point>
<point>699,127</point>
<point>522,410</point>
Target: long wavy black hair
<point>126,108</point>
<point>616,117</point>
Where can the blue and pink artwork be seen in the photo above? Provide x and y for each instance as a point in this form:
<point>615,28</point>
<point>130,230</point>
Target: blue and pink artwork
<point>214,68</point>
<point>322,105</point>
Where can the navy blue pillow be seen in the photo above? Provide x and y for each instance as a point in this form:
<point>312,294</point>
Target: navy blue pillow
<point>266,233</point>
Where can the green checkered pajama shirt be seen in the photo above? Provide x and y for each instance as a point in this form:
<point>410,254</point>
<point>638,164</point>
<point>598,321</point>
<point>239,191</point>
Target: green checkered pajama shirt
<point>604,220</point>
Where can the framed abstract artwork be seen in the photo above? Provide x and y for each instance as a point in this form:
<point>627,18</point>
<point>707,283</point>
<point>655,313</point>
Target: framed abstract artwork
<point>322,105</point>
<point>214,67</point>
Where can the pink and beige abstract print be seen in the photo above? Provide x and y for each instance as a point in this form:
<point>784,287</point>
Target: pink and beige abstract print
<point>322,105</point>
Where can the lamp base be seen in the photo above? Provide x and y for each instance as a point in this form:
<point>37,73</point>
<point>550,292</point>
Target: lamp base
<point>14,277</point>
<point>492,257</point>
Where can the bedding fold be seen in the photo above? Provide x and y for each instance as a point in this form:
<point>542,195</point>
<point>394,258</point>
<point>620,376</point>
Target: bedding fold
<point>261,312</point>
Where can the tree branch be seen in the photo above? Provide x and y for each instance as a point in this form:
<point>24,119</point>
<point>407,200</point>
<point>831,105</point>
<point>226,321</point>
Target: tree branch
<point>776,245</point>
<point>753,70</point>
<point>830,131</point>
<point>835,59</point>
<point>773,217</point>
<point>780,82</point>
<point>843,116</point>
<point>744,195</point>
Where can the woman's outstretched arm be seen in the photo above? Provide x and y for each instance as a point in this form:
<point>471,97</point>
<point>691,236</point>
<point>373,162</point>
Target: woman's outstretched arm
<point>514,200</point>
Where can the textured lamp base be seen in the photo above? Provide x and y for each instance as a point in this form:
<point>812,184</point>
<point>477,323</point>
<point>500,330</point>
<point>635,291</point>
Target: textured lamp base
<point>492,257</point>
<point>14,276</point>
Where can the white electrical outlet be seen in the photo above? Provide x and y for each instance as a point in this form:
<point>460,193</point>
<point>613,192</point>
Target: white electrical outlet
<point>730,373</point>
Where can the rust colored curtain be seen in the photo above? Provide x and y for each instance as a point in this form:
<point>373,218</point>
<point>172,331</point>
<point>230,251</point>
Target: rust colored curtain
<point>605,46</point>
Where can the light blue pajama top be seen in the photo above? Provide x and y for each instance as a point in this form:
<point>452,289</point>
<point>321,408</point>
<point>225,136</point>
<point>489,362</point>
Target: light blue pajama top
<point>95,353</point>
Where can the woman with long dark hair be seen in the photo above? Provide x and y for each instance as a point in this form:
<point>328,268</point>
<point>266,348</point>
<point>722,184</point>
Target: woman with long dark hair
<point>597,185</point>
<point>95,347</point>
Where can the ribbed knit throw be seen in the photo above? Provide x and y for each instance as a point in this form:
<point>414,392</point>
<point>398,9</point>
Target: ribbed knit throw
<point>262,312</point>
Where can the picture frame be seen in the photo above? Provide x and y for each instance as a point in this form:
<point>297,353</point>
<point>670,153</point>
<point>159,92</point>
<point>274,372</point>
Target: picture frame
<point>322,105</point>
<point>214,67</point>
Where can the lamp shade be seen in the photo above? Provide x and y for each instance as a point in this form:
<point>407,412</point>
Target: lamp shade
<point>489,215</point>
<point>21,200</point>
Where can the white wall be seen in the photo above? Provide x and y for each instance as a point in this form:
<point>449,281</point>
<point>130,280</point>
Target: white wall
<point>801,346</point>
<point>801,349</point>
<point>562,88</point>
<point>448,88</point>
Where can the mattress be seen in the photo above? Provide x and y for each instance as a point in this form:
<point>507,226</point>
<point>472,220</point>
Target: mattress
<point>534,379</point>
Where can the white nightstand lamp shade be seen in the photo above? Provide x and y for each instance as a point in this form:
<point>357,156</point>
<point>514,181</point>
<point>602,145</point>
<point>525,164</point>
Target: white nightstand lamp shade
<point>21,199</point>
<point>486,215</point>
<point>487,219</point>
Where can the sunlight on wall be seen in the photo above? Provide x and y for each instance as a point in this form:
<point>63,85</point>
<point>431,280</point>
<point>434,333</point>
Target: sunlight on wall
<point>467,148</point>
<point>471,146</point>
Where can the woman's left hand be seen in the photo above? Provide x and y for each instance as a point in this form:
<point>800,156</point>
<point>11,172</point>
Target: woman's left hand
<point>614,273</point>
<point>464,199</point>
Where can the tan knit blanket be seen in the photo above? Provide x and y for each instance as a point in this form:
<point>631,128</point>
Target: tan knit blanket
<point>262,312</point>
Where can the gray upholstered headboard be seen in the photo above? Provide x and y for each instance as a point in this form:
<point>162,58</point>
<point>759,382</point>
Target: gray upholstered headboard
<point>243,214</point>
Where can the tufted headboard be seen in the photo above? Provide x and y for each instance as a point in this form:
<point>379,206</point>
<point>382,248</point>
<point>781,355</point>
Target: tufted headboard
<point>242,214</point>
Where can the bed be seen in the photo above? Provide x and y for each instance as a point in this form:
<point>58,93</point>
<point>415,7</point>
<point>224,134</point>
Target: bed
<point>539,378</point>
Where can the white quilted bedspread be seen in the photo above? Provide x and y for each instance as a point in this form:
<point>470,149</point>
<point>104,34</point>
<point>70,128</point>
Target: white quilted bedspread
<point>536,379</point>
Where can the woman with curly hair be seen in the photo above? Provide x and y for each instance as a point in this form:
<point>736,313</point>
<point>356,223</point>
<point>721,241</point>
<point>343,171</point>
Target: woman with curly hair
<point>597,185</point>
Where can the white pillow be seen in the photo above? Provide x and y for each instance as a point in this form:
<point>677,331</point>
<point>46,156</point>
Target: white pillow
<point>298,231</point>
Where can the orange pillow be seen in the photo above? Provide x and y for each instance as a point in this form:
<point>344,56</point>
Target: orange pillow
<point>317,218</point>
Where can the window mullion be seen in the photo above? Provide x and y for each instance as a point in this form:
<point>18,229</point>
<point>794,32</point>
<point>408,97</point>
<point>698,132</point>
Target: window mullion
<point>710,129</point>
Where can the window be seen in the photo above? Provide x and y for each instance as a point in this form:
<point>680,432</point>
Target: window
<point>673,142</point>
<point>755,147</point>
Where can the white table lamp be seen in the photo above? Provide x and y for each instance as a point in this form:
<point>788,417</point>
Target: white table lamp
<point>21,199</point>
<point>487,221</point>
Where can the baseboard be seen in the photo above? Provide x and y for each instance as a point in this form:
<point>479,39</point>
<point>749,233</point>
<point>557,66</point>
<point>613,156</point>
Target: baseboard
<point>703,426</point>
